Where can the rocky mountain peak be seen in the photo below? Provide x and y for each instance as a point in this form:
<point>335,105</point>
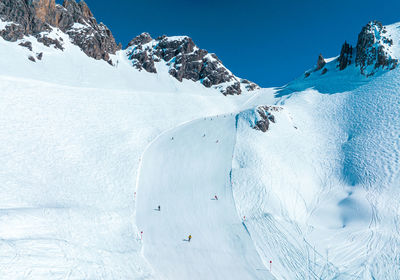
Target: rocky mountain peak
<point>79,11</point>
<point>185,61</point>
<point>142,39</point>
<point>73,18</point>
<point>373,50</point>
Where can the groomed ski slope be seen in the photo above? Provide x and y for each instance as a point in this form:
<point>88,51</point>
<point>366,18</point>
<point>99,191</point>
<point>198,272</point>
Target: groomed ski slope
<point>69,159</point>
<point>182,171</point>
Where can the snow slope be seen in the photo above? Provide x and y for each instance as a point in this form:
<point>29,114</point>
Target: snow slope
<point>182,171</point>
<point>320,188</point>
<point>73,131</point>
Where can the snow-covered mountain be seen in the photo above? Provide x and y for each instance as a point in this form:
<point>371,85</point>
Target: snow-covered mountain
<point>40,18</point>
<point>297,182</point>
<point>185,61</point>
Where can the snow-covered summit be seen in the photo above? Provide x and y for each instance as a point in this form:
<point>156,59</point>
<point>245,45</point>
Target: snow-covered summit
<point>185,61</point>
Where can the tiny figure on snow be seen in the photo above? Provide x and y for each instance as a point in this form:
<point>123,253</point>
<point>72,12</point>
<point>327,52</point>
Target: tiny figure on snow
<point>204,135</point>
<point>172,138</point>
<point>217,141</point>
<point>159,208</point>
<point>216,197</point>
<point>189,238</point>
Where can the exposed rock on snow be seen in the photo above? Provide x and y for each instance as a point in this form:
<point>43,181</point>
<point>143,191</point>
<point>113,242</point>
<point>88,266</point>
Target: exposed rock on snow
<point>185,61</point>
<point>320,63</point>
<point>373,50</point>
<point>27,45</point>
<point>346,55</point>
<point>35,17</point>
<point>261,117</point>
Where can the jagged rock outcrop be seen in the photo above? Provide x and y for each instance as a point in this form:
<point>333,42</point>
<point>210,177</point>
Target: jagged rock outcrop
<point>264,116</point>
<point>373,49</point>
<point>185,61</point>
<point>75,19</point>
<point>371,52</point>
<point>320,62</point>
<point>346,55</point>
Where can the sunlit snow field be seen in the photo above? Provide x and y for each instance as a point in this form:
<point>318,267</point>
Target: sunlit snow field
<point>88,151</point>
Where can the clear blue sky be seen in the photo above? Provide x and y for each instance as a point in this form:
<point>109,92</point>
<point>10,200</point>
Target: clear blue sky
<point>268,42</point>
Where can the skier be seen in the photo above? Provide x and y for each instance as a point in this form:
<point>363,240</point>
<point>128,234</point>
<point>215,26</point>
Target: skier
<point>189,238</point>
<point>216,197</point>
<point>159,208</point>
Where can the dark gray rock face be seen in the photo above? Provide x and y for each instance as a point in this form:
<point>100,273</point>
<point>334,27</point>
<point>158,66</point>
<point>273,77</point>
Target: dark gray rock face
<point>75,19</point>
<point>371,51</point>
<point>185,61</point>
<point>372,48</point>
<point>140,40</point>
<point>95,39</point>
<point>265,116</point>
<point>27,45</point>
<point>346,56</point>
<point>320,62</point>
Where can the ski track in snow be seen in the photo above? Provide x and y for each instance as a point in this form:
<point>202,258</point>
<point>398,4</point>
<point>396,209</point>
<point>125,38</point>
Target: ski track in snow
<point>183,181</point>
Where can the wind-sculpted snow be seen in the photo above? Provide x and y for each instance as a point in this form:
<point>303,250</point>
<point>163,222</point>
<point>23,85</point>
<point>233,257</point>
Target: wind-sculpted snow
<point>321,200</point>
<point>372,146</point>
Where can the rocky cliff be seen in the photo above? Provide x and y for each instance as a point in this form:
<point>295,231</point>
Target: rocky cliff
<point>75,19</point>
<point>373,50</point>
<point>185,61</point>
<point>38,18</point>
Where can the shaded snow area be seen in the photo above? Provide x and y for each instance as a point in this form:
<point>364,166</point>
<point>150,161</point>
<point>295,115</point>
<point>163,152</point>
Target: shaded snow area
<point>89,151</point>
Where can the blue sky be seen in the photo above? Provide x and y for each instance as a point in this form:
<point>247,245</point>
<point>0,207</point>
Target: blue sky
<point>268,42</point>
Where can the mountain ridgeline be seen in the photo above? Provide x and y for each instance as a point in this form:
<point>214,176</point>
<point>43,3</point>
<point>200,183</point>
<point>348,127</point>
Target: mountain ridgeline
<point>372,52</point>
<point>185,60</point>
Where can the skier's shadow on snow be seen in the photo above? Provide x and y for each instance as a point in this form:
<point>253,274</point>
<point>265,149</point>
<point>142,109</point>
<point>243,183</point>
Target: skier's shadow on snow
<point>187,240</point>
<point>155,209</point>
